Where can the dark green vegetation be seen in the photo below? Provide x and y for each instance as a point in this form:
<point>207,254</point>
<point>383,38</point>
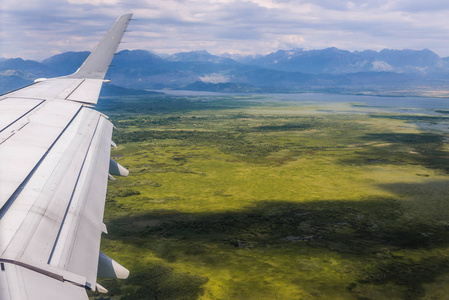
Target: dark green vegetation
<point>251,198</point>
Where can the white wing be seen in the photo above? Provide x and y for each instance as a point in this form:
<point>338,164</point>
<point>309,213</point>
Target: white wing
<point>54,165</point>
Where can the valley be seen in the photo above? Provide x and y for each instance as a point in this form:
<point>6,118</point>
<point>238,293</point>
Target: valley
<point>279,197</point>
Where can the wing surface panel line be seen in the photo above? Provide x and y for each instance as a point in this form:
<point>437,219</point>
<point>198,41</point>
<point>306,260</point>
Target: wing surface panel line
<point>68,96</point>
<point>33,268</point>
<point>73,193</point>
<point>21,88</point>
<point>17,192</point>
<point>42,101</point>
<point>48,273</point>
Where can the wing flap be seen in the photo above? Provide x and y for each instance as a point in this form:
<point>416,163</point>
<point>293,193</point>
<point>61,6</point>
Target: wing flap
<point>56,220</point>
<point>77,247</point>
<point>33,221</point>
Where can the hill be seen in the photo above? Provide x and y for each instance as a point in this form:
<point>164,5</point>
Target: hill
<point>295,70</point>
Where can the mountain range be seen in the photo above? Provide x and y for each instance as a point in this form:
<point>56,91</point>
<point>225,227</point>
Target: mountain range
<point>296,70</point>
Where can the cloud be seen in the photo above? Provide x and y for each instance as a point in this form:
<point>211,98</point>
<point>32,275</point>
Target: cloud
<point>39,28</point>
<point>382,66</point>
<point>215,78</point>
<point>416,6</point>
<point>94,2</point>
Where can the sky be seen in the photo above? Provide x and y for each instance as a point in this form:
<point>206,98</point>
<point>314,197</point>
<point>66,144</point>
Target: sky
<point>38,29</point>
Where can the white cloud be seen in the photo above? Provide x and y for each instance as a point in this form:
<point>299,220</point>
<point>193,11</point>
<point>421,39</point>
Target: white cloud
<point>234,26</point>
<point>215,78</point>
<point>382,66</point>
<point>268,3</point>
<point>94,2</point>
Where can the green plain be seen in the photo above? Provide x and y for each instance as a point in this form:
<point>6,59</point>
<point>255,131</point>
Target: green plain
<point>246,197</point>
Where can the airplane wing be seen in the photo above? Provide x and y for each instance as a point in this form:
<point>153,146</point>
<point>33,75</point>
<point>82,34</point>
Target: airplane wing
<point>54,166</point>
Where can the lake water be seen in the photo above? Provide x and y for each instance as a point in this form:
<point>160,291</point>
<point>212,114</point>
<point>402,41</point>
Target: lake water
<point>371,101</point>
<point>393,104</point>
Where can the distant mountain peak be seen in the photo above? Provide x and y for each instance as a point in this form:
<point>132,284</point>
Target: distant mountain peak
<point>337,61</point>
<point>203,52</point>
<point>198,56</point>
<point>138,54</point>
<point>26,66</point>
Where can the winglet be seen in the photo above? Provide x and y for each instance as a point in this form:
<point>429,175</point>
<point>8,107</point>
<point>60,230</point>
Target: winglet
<point>97,64</point>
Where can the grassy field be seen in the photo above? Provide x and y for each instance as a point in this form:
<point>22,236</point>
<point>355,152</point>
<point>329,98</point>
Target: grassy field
<point>250,198</point>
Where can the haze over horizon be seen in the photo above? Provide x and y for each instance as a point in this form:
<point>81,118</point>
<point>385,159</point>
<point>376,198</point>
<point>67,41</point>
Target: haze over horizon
<point>39,29</point>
